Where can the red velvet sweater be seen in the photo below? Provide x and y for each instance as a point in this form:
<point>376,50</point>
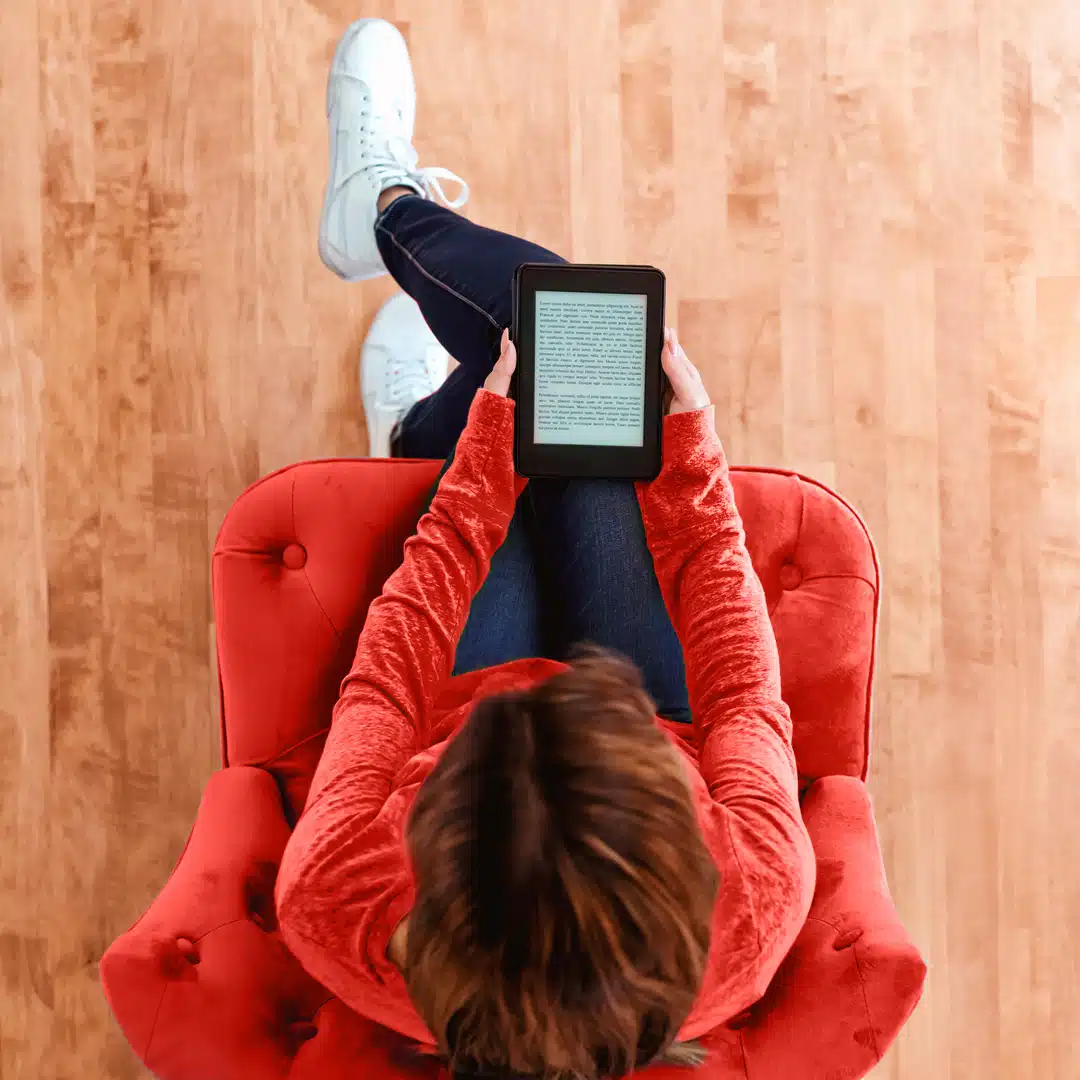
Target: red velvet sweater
<point>345,881</point>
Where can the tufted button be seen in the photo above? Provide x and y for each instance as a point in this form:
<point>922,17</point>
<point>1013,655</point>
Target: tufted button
<point>188,949</point>
<point>847,939</point>
<point>294,556</point>
<point>299,1032</point>
<point>740,1020</point>
<point>259,896</point>
<point>790,576</point>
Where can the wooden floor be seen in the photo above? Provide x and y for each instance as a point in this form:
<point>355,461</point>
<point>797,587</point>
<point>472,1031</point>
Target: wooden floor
<point>870,219</point>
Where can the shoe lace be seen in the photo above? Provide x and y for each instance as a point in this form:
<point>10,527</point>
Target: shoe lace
<point>414,385</point>
<point>396,154</point>
<point>411,380</point>
<point>428,177</point>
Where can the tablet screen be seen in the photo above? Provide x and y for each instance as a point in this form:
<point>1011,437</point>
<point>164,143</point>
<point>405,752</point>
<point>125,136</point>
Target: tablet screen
<point>590,368</point>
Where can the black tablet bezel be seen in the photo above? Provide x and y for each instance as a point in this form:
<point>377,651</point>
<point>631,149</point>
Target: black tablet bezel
<point>533,459</point>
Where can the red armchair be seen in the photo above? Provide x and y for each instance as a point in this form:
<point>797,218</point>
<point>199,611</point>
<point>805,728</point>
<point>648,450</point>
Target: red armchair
<point>202,985</point>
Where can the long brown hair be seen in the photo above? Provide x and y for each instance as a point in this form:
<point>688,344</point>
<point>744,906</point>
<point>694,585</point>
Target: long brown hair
<point>563,890</point>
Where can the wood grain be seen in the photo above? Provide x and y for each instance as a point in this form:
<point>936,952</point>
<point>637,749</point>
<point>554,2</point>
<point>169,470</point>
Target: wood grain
<point>870,220</point>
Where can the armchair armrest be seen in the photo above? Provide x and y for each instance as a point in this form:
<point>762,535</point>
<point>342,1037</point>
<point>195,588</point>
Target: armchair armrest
<point>854,976</point>
<point>202,985</point>
<point>852,891</point>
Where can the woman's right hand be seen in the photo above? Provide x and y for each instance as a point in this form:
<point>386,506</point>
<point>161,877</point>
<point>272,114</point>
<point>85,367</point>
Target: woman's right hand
<point>687,391</point>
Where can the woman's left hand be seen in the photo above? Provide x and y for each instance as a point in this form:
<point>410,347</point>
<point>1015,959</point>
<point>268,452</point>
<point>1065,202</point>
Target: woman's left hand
<point>498,382</point>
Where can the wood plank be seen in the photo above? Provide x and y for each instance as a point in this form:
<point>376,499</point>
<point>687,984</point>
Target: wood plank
<point>869,222</point>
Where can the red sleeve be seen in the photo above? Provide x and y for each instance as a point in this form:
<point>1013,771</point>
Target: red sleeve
<point>407,646</point>
<point>404,654</point>
<point>741,723</point>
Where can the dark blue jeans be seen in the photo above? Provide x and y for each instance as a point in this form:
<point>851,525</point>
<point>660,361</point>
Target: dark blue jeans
<point>574,565</point>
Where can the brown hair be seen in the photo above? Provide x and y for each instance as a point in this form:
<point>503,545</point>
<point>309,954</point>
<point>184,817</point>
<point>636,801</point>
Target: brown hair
<point>564,892</point>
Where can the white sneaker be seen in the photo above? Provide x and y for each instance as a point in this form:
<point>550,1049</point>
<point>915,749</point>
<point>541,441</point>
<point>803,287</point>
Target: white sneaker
<point>401,362</point>
<point>371,109</point>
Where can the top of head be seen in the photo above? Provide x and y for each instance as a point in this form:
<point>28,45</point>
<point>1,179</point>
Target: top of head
<point>563,890</point>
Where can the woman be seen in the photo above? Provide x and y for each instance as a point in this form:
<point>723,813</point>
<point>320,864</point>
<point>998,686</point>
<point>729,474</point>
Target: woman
<point>538,867</point>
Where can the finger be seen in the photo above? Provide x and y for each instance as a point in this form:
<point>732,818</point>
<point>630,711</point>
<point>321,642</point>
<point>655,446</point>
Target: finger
<point>683,363</point>
<point>677,365</point>
<point>680,352</point>
<point>498,382</point>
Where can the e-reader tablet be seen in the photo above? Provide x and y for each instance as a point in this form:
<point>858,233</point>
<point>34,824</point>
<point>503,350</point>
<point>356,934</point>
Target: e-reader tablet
<point>589,385</point>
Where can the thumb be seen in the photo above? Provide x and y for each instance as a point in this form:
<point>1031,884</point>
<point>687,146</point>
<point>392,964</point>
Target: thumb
<point>498,382</point>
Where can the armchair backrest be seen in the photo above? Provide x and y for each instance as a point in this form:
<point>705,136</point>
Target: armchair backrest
<point>305,550</point>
